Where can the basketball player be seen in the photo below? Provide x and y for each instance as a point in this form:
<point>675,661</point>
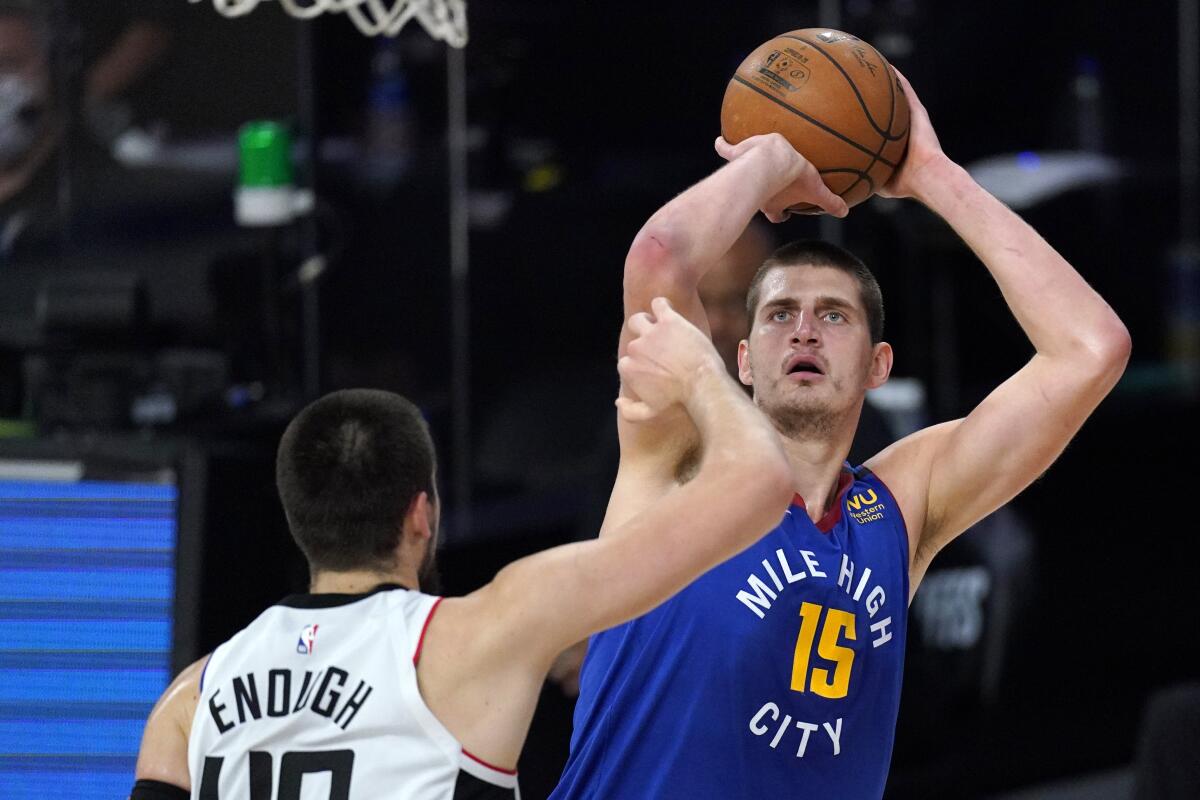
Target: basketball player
<point>777,674</point>
<point>359,689</point>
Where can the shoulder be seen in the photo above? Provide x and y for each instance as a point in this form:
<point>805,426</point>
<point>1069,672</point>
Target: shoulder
<point>180,699</point>
<point>163,754</point>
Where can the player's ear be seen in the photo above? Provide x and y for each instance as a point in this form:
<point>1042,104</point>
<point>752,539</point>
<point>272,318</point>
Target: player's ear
<point>745,375</point>
<point>421,516</point>
<point>881,365</point>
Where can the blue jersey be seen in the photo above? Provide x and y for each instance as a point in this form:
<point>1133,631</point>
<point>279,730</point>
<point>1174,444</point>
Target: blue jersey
<point>776,674</point>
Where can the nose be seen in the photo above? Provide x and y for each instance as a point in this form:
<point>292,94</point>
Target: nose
<point>805,331</point>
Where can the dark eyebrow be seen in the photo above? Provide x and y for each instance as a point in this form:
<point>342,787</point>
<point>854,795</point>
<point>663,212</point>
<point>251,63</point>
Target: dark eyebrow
<point>825,301</point>
<point>836,302</point>
<point>782,303</point>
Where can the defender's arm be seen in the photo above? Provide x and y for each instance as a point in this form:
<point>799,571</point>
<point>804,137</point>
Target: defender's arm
<point>486,654</point>
<point>163,754</point>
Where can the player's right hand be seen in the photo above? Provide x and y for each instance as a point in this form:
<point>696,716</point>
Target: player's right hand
<point>804,184</point>
<point>663,363</point>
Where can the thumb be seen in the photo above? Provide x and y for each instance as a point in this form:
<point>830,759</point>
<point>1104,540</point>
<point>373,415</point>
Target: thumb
<point>662,309</point>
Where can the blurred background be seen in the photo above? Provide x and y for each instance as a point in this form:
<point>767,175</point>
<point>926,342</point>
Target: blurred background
<point>152,347</point>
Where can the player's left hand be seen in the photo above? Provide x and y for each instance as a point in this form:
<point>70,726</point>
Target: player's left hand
<point>923,148</point>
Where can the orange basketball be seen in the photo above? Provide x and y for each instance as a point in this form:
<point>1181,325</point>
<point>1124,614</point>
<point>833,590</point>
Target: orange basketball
<point>834,97</point>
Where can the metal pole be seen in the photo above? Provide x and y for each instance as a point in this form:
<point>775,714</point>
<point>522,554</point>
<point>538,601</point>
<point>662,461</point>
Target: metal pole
<point>312,263</point>
<point>460,310</point>
<point>1189,123</point>
<point>65,70</point>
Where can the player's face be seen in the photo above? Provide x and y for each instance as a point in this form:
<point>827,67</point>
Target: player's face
<point>809,355</point>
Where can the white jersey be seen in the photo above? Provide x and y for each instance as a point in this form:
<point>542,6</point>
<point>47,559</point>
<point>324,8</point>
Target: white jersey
<point>317,699</point>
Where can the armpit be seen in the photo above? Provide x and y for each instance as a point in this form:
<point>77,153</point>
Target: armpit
<point>689,464</point>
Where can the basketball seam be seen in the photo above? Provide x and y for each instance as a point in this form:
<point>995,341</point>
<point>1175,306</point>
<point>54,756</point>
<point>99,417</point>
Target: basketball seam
<point>884,143</point>
<point>812,121</point>
<point>853,86</point>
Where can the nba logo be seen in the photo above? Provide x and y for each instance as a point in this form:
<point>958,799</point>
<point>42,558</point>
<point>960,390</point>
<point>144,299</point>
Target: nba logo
<point>308,640</point>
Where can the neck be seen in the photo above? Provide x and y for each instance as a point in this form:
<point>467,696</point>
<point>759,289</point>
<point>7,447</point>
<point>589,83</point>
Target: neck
<point>360,581</point>
<point>817,464</point>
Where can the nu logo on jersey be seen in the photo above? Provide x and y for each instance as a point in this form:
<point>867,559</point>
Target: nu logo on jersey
<point>866,507</point>
<point>308,640</point>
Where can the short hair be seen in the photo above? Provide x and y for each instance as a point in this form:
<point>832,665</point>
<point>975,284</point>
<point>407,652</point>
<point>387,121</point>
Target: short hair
<point>348,468</point>
<point>816,253</point>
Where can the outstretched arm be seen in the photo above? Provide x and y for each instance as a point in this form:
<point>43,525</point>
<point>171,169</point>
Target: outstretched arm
<point>485,655</point>
<point>960,471</point>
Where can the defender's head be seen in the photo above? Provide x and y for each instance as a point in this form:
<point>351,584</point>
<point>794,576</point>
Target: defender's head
<point>816,337</point>
<point>355,472</point>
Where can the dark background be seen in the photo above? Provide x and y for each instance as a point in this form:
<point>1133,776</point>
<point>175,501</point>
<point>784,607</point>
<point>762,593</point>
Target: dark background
<point>584,118</point>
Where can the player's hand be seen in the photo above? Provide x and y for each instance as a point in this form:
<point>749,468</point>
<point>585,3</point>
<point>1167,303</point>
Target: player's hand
<point>923,148</point>
<point>804,184</point>
<point>662,365</point>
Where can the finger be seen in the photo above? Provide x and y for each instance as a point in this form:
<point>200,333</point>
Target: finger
<point>829,202</point>
<point>833,205</point>
<point>634,410</point>
<point>909,92</point>
<point>641,323</point>
<point>662,309</point>
<point>729,151</point>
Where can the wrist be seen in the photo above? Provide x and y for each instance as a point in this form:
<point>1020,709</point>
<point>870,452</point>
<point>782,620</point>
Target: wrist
<point>705,380</point>
<point>939,180</point>
<point>775,165</point>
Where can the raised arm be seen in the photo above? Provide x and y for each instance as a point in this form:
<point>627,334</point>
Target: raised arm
<point>954,474</point>
<point>686,237</point>
<point>489,652</point>
<point>681,242</point>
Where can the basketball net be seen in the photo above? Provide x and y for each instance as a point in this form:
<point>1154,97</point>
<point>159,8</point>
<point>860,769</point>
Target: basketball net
<point>443,19</point>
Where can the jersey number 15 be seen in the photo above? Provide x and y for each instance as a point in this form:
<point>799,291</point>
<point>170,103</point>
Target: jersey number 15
<point>818,680</point>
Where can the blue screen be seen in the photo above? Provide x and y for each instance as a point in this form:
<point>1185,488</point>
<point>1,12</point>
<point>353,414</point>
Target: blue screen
<point>87,585</point>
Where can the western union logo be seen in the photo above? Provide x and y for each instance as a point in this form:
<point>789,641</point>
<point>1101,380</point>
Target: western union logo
<point>866,507</point>
<point>860,500</point>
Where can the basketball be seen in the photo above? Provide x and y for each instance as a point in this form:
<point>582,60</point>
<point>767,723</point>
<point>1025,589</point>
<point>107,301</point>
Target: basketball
<point>834,97</point>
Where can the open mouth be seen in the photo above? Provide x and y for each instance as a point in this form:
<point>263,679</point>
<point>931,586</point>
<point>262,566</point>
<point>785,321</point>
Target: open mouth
<point>804,366</point>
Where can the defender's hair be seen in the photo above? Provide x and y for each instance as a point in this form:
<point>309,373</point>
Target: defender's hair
<point>348,468</point>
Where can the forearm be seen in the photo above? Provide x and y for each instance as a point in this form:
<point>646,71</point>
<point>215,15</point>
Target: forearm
<point>696,228</point>
<point>733,432</point>
<point>1062,316</point>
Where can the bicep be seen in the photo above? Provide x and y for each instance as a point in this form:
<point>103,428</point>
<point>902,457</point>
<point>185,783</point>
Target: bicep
<point>1005,444</point>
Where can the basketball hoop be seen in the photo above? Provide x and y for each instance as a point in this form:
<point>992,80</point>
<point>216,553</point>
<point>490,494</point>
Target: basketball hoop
<point>443,19</point>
